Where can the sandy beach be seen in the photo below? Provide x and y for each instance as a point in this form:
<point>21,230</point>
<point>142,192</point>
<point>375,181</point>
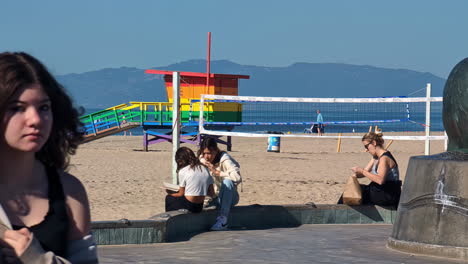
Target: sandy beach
<point>123,181</point>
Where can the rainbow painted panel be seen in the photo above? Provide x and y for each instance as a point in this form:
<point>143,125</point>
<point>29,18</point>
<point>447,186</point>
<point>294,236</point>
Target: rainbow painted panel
<point>162,112</point>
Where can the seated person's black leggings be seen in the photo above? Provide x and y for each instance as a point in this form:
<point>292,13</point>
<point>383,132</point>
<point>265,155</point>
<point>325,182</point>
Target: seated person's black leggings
<point>176,203</point>
<point>387,194</point>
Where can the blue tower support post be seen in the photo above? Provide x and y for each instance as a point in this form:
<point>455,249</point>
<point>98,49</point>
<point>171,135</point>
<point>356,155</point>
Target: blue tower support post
<point>94,125</point>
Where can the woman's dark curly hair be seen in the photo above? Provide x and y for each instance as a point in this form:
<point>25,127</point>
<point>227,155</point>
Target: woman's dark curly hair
<point>185,157</point>
<point>19,70</point>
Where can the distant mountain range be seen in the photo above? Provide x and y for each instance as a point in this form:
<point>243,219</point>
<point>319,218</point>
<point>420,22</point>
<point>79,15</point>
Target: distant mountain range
<point>109,87</point>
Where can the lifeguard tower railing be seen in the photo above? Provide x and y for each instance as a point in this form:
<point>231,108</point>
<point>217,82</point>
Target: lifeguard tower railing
<point>123,117</point>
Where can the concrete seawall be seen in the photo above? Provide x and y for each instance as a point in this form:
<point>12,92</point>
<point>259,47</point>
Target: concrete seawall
<point>180,225</point>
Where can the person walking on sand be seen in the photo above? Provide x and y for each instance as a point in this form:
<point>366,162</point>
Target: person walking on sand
<point>226,174</point>
<point>319,123</point>
<point>44,211</point>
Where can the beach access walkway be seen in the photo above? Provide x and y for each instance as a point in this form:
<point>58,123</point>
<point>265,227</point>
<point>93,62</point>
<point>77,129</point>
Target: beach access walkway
<point>308,243</point>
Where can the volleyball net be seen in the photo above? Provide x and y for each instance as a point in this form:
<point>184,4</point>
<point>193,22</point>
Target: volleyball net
<point>403,118</point>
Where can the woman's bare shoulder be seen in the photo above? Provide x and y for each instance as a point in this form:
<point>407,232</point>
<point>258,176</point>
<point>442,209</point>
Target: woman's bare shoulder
<point>72,186</point>
<point>384,159</point>
<point>78,205</point>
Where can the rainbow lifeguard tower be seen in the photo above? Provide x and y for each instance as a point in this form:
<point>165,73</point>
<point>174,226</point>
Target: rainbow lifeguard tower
<point>192,85</point>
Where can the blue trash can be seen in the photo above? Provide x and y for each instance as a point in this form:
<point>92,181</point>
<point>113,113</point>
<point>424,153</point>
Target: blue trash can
<point>274,144</point>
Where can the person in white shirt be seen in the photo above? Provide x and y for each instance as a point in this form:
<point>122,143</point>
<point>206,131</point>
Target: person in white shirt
<point>195,183</point>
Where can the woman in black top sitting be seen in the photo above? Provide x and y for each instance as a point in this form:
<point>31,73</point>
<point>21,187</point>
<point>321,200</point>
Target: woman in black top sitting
<point>44,212</point>
<point>382,170</point>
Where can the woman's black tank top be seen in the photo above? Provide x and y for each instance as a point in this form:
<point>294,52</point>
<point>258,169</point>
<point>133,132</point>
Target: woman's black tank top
<point>53,230</point>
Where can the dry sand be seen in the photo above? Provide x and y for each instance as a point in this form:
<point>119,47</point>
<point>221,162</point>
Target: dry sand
<point>123,181</point>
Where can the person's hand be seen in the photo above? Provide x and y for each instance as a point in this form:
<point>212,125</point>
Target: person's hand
<point>18,240</point>
<point>357,170</point>
<point>212,168</point>
<point>208,164</point>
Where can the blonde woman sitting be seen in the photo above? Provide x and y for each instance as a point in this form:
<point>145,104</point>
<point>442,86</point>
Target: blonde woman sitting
<point>382,170</point>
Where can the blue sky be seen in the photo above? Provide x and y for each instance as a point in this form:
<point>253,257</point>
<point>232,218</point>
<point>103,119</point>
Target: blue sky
<point>79,36</point>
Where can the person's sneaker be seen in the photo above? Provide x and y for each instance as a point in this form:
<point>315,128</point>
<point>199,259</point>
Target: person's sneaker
<point>221,224</point>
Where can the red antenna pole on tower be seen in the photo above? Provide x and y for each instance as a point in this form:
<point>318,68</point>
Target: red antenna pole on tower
<point>208,61</point>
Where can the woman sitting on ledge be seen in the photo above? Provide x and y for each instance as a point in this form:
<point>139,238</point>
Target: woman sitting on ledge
<point>382,170</point>
<point>195,183</point>
<point>226,173</point>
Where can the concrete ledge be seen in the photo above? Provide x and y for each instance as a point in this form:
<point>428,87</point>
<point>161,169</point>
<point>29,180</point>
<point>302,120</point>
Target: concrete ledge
<point>129,232</point>
<point>181,225</point>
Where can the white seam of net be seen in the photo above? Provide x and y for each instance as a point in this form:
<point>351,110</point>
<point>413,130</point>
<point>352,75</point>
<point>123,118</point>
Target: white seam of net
<point>323,100</point>
<point>244,134</point>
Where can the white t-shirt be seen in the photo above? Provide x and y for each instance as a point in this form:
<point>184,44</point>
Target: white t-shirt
<point>195,181</point>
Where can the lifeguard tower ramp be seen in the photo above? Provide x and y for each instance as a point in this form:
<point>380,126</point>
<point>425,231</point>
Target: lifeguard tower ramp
<point>108,122</point>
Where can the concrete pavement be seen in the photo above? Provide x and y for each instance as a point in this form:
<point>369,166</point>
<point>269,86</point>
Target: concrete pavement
<point>303,244</point>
